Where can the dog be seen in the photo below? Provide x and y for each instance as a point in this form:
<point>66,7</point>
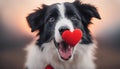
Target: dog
<point>49,48</point>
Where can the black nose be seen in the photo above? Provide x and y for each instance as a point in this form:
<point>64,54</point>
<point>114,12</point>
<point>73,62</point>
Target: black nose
<point>62,29</point>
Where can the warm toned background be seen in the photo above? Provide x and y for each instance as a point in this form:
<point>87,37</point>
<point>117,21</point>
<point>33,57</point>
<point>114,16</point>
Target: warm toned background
<point>15,33</point>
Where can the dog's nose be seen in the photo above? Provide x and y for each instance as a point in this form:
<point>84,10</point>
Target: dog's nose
<point>62,29</point>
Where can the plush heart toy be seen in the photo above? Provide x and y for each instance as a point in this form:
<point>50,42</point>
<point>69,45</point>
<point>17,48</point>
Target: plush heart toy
<point>72,38</point>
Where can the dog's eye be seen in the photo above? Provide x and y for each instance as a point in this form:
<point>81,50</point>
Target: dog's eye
<point>51,19</point>
<point>74,18</point>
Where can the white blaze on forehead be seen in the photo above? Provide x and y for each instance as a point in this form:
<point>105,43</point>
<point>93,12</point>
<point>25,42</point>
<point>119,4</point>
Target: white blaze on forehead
<point>62,21</point>
<point>61,9</point>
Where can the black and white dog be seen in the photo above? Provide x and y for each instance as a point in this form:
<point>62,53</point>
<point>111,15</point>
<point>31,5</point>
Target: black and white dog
<point>51,21</point>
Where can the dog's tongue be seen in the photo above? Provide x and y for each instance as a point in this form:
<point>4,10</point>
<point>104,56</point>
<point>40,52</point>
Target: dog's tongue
<point>65,53</point>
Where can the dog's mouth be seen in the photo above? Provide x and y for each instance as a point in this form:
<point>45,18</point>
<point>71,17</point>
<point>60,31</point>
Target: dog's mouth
<point>65,50</point>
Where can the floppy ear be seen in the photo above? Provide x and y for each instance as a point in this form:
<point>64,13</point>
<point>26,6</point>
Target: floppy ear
<point>86,10</point>
<point>36,19</point>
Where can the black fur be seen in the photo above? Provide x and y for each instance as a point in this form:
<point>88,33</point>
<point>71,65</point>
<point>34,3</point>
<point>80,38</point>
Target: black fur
<point>48,32</point>
<point>39,20</point>
<point>81,14</point>
<point>36,19</point>
<point>86,11</point>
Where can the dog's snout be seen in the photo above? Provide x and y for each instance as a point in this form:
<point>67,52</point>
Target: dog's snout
<point>62,29</point>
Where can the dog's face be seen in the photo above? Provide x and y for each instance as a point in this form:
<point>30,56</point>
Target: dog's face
<point>53,20</point>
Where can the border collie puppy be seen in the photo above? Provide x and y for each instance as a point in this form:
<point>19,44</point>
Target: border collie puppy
<point>49,48</point>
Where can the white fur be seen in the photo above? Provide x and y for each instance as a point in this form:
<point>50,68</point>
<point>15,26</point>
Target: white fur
<point>61,9</point>
<point>37,59</point>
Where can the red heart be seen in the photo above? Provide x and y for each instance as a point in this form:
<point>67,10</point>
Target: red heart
<point>48,67</point>
<point>72,38</point>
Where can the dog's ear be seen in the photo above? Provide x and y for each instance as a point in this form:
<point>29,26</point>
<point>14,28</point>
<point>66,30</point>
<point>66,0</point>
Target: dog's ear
<point>36,19</point>
<point>86,10</point>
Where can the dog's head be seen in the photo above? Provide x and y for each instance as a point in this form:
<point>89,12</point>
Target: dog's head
<point>53,20</point>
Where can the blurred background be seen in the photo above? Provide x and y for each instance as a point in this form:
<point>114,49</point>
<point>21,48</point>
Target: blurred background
<point>15,33</point>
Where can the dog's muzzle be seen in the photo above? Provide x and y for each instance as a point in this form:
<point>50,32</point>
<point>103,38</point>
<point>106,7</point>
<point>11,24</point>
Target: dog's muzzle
<point>65,50</point>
